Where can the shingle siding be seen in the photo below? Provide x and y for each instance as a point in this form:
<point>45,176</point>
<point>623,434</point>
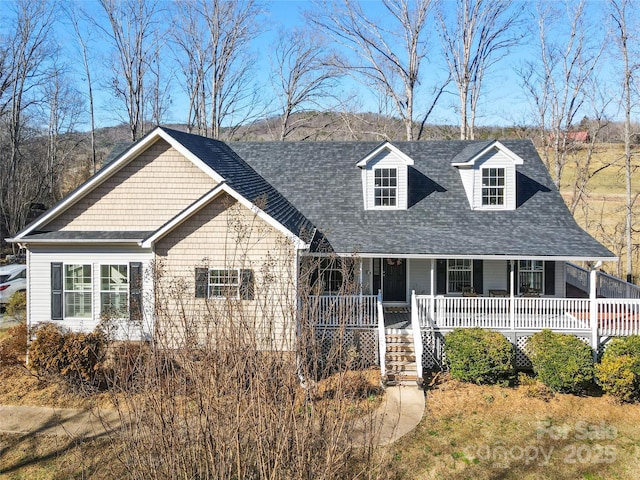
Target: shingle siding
<point>142,195</point>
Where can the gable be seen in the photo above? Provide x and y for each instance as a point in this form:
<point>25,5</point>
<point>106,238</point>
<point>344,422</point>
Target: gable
<point>385,178</point>
<point>142,195</point>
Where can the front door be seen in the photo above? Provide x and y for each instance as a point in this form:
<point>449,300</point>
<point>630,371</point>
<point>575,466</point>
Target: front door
<point>394,279</point>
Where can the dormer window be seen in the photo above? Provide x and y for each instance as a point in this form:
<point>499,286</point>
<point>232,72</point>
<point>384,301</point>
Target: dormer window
<point>385,178</point>
<point>386,183</point>
<point>492,186</point>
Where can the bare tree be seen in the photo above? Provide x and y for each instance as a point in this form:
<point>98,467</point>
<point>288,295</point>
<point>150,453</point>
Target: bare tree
<point>75,21</point>
<point>132,34</point>
<point>22,179</point>
<point>481,35</point>
<point>386,58</point>
<point>301,77</point>
<point>555,80</point>
<point>619,10</point>
<point>216,61</point>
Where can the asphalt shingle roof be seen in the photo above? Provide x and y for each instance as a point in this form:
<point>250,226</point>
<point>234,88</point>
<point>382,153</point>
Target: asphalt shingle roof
<point>324,184</point>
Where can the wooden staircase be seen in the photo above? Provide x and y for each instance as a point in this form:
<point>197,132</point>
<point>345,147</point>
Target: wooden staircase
<point>400,357</point>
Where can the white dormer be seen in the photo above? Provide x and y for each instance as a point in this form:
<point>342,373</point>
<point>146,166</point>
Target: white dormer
<point>489,177</point>
<point>385,178</point>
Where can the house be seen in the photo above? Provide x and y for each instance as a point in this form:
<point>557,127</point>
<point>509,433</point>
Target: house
<point>434,235</point>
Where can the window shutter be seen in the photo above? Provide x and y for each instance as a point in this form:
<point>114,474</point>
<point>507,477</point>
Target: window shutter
<point>246,284</point>
<point>56,291</point>
<point>202,278</point>
<point>441,277</point>
<point>549,278</point>
<point>135,291</point>
<point>477,277</point>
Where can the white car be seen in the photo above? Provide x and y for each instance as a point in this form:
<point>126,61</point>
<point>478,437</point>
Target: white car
<point>13,278</point>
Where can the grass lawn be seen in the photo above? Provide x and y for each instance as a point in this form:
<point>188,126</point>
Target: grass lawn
<point>483,432</point>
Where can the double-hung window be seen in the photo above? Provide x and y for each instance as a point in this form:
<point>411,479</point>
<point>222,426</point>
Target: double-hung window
<point>385,187</point>
<point>114,290</point>
<point>332,276</point>
<point>224,283</point>
<point>77,291</point>
<point>493,186</point>
<point>531,276</point>
<point>459,275</point>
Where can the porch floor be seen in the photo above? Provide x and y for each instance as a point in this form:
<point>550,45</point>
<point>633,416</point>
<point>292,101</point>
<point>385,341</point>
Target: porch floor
<point>397,317</point>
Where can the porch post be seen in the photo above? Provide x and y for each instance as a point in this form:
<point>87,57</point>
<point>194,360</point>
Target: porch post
<point>417,334</point>
<point>593,312</point>
<point>512,291</point>
<point>382,339</point>
<point>360,302</point>
<point>432,303</point>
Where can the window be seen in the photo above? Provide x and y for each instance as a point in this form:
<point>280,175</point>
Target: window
<point>114,290</point>
<point>386,183</point>
<point>224,283</point>
<point>492,186</point>
<point>77,291</point>
<point>531,276</point>
<point>332,277</point>
<point>459,275</point>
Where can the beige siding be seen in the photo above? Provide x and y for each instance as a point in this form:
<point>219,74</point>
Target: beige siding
<point>143,195</point>
<point>225,234</point>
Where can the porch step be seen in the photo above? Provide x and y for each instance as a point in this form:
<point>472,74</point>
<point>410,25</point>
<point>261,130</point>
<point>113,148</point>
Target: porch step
<point>400,357</point>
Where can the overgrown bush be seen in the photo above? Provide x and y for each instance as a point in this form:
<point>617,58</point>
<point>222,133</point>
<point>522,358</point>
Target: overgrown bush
<point>619,371</point>
<point>561,361</point>
<point>74,356</point>
<point>13,347</point>
<point>17,306</point>
<point>479,356</point>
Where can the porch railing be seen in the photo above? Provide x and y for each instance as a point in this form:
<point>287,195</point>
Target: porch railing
<point>503,313</point>
<point>618,317</point>
<point>607,286</point>
<point>344,310</point>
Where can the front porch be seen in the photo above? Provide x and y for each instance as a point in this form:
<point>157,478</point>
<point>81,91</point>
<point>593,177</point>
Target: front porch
<point>595,319</point>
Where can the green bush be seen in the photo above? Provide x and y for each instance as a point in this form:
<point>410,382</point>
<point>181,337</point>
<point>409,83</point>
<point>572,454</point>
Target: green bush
<point>17,305</point>
<point>479,356</point>
<point>561,361</point>
<point>619,371</point>
<point>74,356</point>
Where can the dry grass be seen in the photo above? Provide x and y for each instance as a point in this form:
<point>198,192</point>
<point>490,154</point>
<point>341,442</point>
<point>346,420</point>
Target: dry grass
<point>484,432</point>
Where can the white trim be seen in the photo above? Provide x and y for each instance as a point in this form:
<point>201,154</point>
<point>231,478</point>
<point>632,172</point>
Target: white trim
<point>516,159</point>
<point>438,256</point>
<point>236,286</point>
<point>135,150</point>
<point>76,241</point>
<point>385,146</point>
<point>208,197</point>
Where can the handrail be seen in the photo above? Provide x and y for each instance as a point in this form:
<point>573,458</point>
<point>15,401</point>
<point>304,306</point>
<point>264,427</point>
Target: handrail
<point>417,333</point>
<point>382,339</point>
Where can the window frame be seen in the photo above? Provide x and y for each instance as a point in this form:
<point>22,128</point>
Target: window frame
<point>531,271</point>
<point>126,313</point>
<point>237,284</point>
<point>494,186</point>
<point>468,269</point>
<point>385,187</point>
<point>85,291</point>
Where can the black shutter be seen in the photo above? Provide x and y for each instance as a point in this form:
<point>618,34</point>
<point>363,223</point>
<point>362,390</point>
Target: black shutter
<point>135,291</point>
<point>441,276</point>
<point>56,291</point>
<point>202,278</point>
<point>477,277</point>
<point>549,278</point>
<point>246,284</point>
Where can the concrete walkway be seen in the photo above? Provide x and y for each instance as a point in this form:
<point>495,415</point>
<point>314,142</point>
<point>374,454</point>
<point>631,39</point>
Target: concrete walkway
<point>400,412</point>
<point>26,420</point>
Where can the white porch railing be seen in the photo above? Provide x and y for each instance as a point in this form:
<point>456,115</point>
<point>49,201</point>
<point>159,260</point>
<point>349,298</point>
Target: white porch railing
<point>382,337</point>
<point>344,310</point>
<point>502,313</point>
<point>618,317</point>
<point>577,276</point>
<point>607,286</point>
<point>417,334</point>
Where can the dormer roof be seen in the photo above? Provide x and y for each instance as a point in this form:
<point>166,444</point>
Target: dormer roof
<point>405,159</point>
<point>472,153</point>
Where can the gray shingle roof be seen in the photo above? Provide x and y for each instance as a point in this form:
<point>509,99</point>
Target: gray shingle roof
<point>324,184</point>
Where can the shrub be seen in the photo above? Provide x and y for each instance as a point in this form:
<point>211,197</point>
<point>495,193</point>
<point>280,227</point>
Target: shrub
<point>13,347</point>
<point>74,356</point>
<point>561,361</point>
<point>619,371</point>
<point>17,305</point>
<point>479,356</point>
